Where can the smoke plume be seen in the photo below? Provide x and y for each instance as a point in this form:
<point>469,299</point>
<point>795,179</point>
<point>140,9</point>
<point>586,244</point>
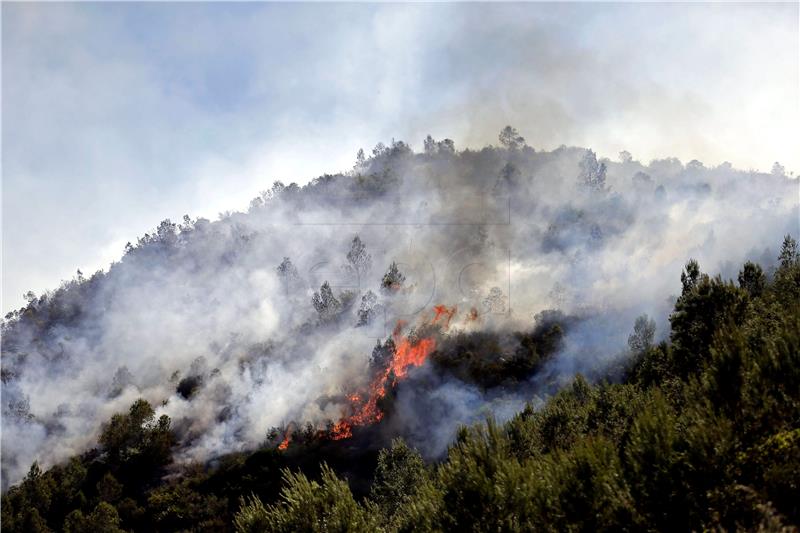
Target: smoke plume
<point>277,315</point>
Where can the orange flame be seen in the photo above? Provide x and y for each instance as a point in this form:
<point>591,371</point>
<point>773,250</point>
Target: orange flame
<point>341,430</point>
<point>286,438</point>
<point>444,311</point>
<point>407,354</point>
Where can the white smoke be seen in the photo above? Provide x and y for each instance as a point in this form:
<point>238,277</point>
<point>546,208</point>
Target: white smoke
<point>202,306</point>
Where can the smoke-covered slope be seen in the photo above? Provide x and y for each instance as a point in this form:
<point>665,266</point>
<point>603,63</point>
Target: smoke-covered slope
<point>210,321</point>
<point>700,433</point>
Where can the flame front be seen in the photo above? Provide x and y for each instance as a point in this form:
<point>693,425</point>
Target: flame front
<point>408,353</point>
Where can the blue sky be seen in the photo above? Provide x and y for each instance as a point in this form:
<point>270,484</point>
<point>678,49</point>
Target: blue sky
<point>116,116</point>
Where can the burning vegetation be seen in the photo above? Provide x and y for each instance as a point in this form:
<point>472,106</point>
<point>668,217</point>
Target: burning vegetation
<point>628,455</point>
<point>215,332</point>
<point>389,364</point>
<point>485,359</point>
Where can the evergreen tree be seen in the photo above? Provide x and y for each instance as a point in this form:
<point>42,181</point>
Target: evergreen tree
<point>393,280</point>
<point>593,174</point>
<point>325,303</point>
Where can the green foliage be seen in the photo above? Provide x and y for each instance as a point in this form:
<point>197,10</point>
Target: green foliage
<point>776,461</point>
<point>752,279</point>
<point>81,495</point>
<point>252,517</point>
<point>103,519</point>
<point>653,464</point>
<point>789,253</point>
<point>583,490</point>
<point>109,489</point>
<point>137,433</point>
<point>398,476</point>
<point>307,505</point>
<point>178,507</point>
<point>482,358</point>
<point>476,488</point>
<point>705,304</point>
<point>786,289</point>
<point>484,487</point>
<point>33,522</point>
<point>644,331</point>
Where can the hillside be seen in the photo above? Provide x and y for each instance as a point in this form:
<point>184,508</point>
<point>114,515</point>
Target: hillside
<point>315,360</point>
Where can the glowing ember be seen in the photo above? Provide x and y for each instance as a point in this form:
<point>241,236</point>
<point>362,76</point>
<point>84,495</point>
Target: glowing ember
<point>341,430</point>
<point>285,444</point>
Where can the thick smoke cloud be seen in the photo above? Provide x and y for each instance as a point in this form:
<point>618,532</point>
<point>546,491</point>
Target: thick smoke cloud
<point>199,319</point>
<point>195,107</point>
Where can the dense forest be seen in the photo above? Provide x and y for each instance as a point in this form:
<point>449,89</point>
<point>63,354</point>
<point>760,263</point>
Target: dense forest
<point>502,339</point>
<point>701,432</point>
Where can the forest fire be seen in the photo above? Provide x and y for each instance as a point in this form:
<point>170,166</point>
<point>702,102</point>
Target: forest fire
<point>408,352</point>
<point>287,437</point>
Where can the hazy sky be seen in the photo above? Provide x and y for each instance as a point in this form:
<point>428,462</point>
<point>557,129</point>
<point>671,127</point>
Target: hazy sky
<point>116,116</point>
